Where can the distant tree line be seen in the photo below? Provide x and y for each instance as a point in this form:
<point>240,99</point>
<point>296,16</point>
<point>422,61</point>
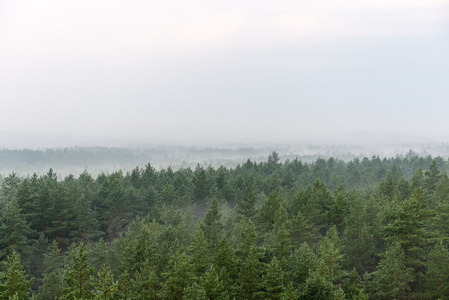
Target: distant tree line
<point>369,228</point>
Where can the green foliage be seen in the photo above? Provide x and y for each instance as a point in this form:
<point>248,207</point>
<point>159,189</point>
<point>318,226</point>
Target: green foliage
<point>13,280</point>
<point>78,275</point>
<point>393,276</point>
<point>104,285</point>
<point>178,277</point>
<point>322,225</point>
<point>250,276</point>
<point>52,282</point>
<point>14,231</point>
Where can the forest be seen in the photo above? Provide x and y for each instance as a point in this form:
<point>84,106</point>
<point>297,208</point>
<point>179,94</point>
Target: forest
<point>367,228</point>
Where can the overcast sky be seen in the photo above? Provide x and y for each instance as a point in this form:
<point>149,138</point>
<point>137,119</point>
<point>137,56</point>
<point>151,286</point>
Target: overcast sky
<point>235,70</point>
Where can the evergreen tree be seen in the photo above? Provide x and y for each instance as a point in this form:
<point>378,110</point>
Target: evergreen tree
<point>213,285</point>
<point>51,288</point>
<point>104,285</point>
<point>339,210</point>
<point>302,230</point>
<point>432,176</point>
<point>331,256</point>
<point>78,276</point>
<point>211,226</point>
<point>201,184</point>
<point>408,229</point>
<point>247,206</point>
<point>273,281</point>
<point>14,231</point>
<point>13,281</point>
<point>178,276</point>
<point>250,276</point>
<point>199,255</point>
<point>316,287</point>
<point>393,277</point>
<point>303,262</point>
<point>437,275</point>
<point>268,209</point>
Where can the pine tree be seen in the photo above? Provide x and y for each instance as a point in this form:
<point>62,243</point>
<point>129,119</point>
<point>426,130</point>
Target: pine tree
<point>247,206</point>
<point>226,263</point>
<point>273,281</point>
<point>201,184</point>
<point>178,276</point>
<point>124,287</point>
<point>14,282</point>
<point>212,226</point>
<point>51,288</point>
<point>199,256</point>
<point>408,229</point>
<point>339,210</point>
<point>393,277</point>
<point>437,275</point>
<point>303,261</point>
<point>316,287</point>
<point>213,285</point>
<point>250,276</point>
<point>268,210</point>
<point>14,231</point>
<point>331,256</point>
<point>302,230</point>
<point>359,242</point>
<point>195,292</point>
<point>104,285</point>
<point>78,276</point>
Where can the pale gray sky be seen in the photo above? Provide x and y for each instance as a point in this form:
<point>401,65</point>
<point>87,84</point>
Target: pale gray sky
<point>236,70</point>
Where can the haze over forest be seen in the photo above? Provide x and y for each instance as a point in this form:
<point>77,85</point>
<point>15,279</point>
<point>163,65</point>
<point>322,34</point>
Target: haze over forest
<point>201,72</point>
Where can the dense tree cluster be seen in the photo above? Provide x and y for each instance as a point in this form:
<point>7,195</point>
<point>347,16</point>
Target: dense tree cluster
<point>365,229</point>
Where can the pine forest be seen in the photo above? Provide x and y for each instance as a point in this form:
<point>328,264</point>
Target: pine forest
<point>367,228</point>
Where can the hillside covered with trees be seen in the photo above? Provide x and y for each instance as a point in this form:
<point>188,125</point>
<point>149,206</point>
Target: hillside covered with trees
<point>367,228</point>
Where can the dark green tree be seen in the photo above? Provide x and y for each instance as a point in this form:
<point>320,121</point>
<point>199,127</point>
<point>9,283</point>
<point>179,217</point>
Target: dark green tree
<point>212,226</point>
<point>247,206</point>
<point>201,184</point>
<point>14,232</point>
<point>52,281</point>
<point>437,275</point>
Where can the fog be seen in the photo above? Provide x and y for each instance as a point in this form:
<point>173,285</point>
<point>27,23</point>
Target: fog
<point>245,73</point>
